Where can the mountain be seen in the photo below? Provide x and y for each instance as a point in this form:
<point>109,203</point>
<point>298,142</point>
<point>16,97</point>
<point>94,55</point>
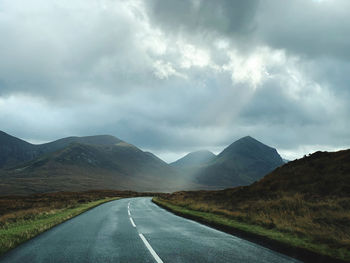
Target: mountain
<point>14,151</point>
<point>83,163</point>
<point>241,163</point>
<point>194,159</point>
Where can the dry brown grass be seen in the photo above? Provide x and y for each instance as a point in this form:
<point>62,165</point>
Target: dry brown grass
<point>15,208</point>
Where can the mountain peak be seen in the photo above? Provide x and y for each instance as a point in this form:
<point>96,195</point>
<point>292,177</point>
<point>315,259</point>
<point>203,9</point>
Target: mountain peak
<point>247,138</point>
<point>246,144</point>
<point>243,162</point>
<point>248,147</point>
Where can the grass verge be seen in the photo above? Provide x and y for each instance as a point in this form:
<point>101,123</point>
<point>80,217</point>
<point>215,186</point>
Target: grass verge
<point>293,245</point>
<point>15,232</point>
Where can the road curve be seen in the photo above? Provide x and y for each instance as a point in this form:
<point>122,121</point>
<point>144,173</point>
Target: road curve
<point>137,230</point>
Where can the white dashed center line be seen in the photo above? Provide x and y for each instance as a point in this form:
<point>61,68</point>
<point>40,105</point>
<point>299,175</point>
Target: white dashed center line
<point>132,222</point>
<point>154,254</point>
<point>148,246</point>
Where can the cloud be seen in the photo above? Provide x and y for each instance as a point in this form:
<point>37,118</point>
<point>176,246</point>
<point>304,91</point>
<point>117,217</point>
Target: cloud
<point>56,49</point>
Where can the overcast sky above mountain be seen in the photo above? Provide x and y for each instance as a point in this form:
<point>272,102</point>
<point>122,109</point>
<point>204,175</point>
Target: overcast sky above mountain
<point>173,76</point>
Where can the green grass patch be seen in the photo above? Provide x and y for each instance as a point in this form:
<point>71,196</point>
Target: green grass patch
<point>16,231</point>
<point>225,222</point>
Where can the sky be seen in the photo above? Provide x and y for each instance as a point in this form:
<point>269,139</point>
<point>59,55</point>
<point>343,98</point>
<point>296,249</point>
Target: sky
<point>178,76</point>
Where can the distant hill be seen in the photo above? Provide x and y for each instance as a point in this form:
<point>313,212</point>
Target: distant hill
<point>188,166</point>
<point>194,159</point>
<point>241,163</point>
<point>83,163</point>
<point>321,173</point>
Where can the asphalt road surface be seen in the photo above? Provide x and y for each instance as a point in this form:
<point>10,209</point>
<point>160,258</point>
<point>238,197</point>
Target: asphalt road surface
<point>136,230</point>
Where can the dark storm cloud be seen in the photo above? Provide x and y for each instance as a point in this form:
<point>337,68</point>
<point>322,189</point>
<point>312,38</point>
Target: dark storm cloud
<point>315,28</point>
<point>175,76</point>
<point>222,16</point>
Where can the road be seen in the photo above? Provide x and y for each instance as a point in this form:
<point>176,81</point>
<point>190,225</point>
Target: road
<point>137,230</point>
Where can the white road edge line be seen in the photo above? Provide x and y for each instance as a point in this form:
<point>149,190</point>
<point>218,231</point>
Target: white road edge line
<point>129,212</point>
<point>132,222</point>
<point>154,254</point>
